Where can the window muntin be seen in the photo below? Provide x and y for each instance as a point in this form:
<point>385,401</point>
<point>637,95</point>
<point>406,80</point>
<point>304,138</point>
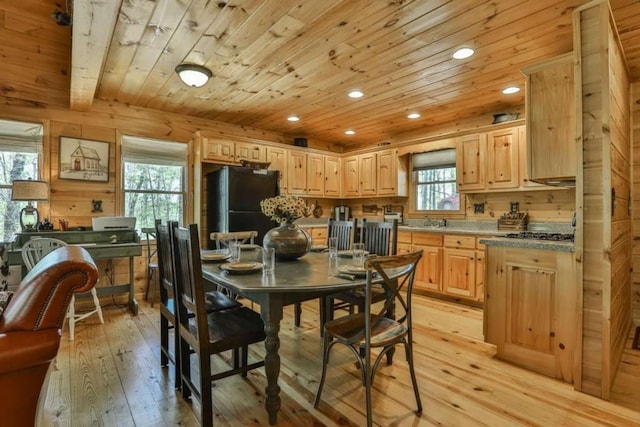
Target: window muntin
<point>434,178</point>
<point>154,180</point>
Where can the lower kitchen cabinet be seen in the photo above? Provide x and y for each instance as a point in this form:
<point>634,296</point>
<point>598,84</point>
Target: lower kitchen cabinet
<point>429,270</point>
<point>531,311</point>
<point>318,235</point>
<point>460,267</point>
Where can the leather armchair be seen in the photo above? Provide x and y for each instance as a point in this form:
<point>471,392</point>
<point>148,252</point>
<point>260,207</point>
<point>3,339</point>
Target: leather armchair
<point>31,326</point>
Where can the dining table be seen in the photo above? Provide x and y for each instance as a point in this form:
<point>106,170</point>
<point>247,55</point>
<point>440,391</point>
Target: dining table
<point>315,275</point>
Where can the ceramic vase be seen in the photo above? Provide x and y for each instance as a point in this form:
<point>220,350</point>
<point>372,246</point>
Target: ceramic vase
<point>289,241</point>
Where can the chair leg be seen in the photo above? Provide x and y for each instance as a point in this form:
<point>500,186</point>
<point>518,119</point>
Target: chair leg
<point>152,283</point>
<point>96,302</point>
<point>297,310</point>
<point>206,404</point>
<point>325,362</point>
<point>409,353</point>
<point>185,367</point>
<point>71,314</point>
<point>244,351</point>
<point>177,358</point>
<point>164,342</point>
<point>367,385</point>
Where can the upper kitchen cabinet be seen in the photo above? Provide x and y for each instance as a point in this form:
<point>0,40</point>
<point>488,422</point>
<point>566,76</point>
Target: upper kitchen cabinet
<point>277,158</point>
<point>315,174</point>
<point>332,178</point>
<point>392,174</point>
<point>250,152</point>
<point>218,150</point>
<point>488,161</point>
<point>350,177</point>
<point>368,174</point>
<point>297,173</point>
<point>550,105</point>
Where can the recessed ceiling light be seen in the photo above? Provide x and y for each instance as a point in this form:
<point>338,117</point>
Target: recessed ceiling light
<point>463,53</point>
<point>350,132</point>
<point>413,115</point>
<point>293,118</point>
<point>356,94</point>
<point>510,89</point>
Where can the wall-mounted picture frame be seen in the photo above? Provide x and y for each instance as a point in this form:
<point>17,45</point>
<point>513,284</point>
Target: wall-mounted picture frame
<point>84,159</point>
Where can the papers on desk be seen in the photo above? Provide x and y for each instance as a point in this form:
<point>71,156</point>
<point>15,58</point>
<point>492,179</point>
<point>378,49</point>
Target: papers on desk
<point>82,244</point>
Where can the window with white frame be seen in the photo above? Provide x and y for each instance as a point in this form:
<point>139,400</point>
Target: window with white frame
<point>154,176</point>
<point>434,178</point>
<point>20,148</point>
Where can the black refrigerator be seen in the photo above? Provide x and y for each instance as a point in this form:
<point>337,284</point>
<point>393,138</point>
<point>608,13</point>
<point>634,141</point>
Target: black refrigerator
<point>233,200</point>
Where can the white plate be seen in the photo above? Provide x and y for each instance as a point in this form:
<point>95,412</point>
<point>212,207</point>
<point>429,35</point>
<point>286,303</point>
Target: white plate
<point>353,269</point>
<point>214,255</point>
<point>241,267</point>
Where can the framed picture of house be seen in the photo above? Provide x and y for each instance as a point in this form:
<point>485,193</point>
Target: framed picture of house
<point>84,159</point>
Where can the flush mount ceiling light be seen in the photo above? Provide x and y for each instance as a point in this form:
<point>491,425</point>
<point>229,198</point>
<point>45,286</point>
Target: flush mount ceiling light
<point>510,89</point>
<point>193,75</point>
<point>293,118</point>
<point>463,53</point>
<point>356,94</point>
<point>413,115</point>
<point>350,132</point>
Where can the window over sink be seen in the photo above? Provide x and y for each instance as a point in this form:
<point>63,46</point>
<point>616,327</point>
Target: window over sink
<point>434,181</point>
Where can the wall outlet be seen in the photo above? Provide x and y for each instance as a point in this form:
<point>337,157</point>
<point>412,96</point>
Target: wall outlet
<point>478,208</point>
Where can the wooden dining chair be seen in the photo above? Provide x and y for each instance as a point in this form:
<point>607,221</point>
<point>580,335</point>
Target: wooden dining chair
<point>168,313</point>
<point>362,332</point>
<point>379,238</point>
<point>242,237</point>
<point>152,262</point>
<point>344,232</point>
<point>207,334</point>
<point>37,248</point>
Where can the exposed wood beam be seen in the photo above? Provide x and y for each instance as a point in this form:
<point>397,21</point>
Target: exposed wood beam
<point>93,24</point>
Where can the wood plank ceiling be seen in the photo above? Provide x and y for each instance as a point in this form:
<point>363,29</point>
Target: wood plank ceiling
<point>273,58</point>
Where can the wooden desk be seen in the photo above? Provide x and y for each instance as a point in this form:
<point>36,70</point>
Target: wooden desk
<point>294,281</point>
<point>99,246</point>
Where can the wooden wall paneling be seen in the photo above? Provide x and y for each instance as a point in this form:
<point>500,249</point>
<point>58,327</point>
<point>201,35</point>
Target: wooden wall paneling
<point>635,133</point>
<point>555,205</point>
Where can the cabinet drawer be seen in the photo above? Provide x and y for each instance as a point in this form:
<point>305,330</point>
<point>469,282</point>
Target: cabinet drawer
<point>404,237</point>
<point>427,239</point>
<point>467,242</point>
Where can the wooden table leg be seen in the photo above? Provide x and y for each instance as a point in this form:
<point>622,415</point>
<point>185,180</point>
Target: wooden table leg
<point>272,315</point>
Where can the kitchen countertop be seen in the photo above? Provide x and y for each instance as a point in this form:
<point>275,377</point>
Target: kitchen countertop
<point>530,244</point>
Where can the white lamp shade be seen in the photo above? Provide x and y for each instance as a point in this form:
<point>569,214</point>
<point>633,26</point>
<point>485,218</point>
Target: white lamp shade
<point>29,190</point>
<point>193,75</point>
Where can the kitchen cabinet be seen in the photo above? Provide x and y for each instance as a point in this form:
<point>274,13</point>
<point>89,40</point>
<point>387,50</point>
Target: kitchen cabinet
<point>332,176</point>
<point>277,158</point>
<point>315,174</point>
<point>250,152</point>
<point>551,112</point>
<point>531,308</point>
<point>220,150</point>
<point>367,174</point>
<point>297,173</point>
<point>350,177</point>
<point>392,175</point>
<point>318,235</point>
<point>523,172</point>
<point>429,269</point>
<point>459,266</point>
<point>489,161</point>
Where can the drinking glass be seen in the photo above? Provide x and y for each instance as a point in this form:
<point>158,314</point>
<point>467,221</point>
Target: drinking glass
<point>333,247</point>
<point>268,260</point>
<point>234,251</point>
<point>358,254</point>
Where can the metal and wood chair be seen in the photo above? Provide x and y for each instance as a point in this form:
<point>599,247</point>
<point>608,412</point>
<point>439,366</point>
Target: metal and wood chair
<point>168,313</point>
<point>207,334</point>
<point>241,237</point>
<point>362,332</point>
<point>32,252</point>
<point>152,263</point>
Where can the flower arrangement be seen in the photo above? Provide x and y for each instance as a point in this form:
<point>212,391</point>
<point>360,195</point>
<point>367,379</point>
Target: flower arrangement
<point>285,209</point>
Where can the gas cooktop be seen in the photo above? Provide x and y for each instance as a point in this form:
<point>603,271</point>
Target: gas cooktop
<point>558,237</point>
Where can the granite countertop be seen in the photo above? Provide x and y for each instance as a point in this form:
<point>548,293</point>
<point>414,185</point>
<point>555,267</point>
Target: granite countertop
<point>530,244</point>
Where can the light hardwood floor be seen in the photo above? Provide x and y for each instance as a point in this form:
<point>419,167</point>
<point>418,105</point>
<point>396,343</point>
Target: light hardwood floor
<point>111,375</point>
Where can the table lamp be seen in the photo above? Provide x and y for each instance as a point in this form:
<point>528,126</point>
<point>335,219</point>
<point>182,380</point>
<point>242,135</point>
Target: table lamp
<point>29,191</point>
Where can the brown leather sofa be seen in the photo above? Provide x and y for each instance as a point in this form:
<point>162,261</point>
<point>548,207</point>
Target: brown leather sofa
<point>31,326</point>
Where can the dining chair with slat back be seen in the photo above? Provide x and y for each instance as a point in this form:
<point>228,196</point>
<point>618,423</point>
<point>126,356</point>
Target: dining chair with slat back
<point>344,232</point>
<point>242,237</point>
<point>152,262</point>
<point>32,252</point>
<point>379,238</point>
<point>362,332</point>
<point>168,314</point>
<point>206,334</point>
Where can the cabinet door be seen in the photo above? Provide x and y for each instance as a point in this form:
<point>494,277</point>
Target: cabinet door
<point>368,174</point>
<point>387,173</point>
<point>297,172</point>
<point>459,272</point>
<point>218,150</point>
<point>502,159</point>
<point>277,158</point>
<point>480,267</point>
<point>429,269</point>
<point>471,162</point>
<point>250,152</point>
<point>331,176</point>
<point>315,174</point>
<point>350,177</point>
<point>525,182</point>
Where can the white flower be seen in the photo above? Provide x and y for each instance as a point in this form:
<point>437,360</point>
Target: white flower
<point>285,209</point>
